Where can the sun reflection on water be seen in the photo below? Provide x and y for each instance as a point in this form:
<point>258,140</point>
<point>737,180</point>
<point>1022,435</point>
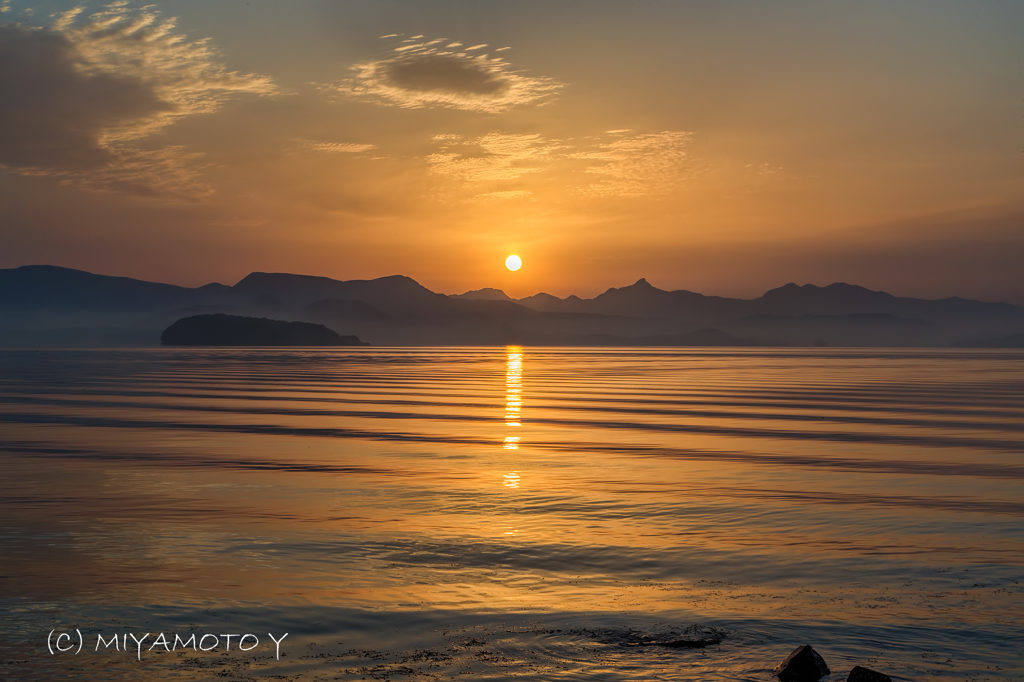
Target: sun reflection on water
<point>513,386</point>
<point>513,404</point>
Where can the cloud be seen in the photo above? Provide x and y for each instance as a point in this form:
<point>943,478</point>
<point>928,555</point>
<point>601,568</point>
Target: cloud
<point>506,194</point>
<point>491,158</point>
<point>338,147</point>
<point>167,171</point>
<point>620,163</point>
<point>423,74</point>
<point>53,114</point>
<point>633,165</point>
<point>77,97</point>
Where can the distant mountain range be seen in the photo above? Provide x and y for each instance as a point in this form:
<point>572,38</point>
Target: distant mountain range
<point>42,305</point>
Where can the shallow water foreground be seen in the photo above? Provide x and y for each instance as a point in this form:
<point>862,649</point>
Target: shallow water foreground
<point>499,513</point>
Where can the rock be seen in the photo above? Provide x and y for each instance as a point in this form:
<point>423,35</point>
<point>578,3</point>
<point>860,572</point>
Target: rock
<point>803,665</point>
<point>859,674</point>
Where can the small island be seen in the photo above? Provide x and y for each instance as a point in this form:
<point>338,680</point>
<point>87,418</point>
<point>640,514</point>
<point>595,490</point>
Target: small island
<point>234,330</point>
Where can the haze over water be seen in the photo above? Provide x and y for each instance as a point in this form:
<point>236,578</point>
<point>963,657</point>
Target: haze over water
<point>498,513</point>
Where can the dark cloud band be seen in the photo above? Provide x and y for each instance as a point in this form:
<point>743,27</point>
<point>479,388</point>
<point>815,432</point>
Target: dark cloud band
<point>76,95</point>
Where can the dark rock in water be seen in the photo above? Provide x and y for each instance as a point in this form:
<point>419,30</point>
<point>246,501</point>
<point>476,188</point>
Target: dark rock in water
<point>859,674</point>
<point>234,330</point>
<point>803,665</point>
<point>681,643</point>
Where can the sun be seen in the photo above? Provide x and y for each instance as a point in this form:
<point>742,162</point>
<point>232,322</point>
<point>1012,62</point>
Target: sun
<point>513,262</point>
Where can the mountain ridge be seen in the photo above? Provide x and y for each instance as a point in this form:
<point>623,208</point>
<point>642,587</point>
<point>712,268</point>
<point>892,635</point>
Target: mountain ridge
<point>397,309</point>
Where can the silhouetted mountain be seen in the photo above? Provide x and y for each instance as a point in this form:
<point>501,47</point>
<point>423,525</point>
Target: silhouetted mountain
<point>234,330</point>
<point>546,303</point>
<point>44,305</point>
<point>850,299</point>
<point>48,286</point>
<point>395,295</point>
<point>487,294</point>
<point>269,302</point>
<point>860,329</point>
<point>838,314</point>
<point>643,300</point>
<point>344,309</point>
<point>835,299</point>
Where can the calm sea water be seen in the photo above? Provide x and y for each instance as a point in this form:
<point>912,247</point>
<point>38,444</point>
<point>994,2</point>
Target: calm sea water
<point>500,513</point>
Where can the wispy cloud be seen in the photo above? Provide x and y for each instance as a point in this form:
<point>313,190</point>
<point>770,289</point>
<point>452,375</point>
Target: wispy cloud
<point>424,74</point>
<point>80,95</point>
<point>505,194</point>
<point>165,172</point>
<point>619,163</point>
<point>492,157</point>
<point>633,165</point>
<point>337,147</point>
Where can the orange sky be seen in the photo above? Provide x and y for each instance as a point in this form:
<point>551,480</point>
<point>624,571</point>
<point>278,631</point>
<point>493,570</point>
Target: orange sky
<point>725,148</point>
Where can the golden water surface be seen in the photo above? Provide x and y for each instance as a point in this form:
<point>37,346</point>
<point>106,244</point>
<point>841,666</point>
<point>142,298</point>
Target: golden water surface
<point>493,513</point>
